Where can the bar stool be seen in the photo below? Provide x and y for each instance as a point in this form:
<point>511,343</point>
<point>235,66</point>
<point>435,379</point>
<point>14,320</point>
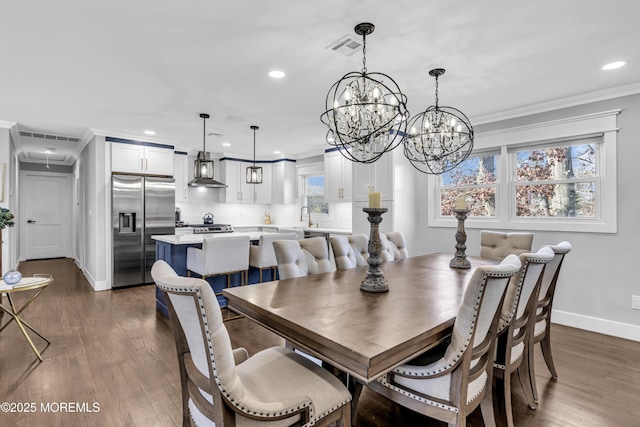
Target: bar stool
<point>262,255</point>
<point>220,256</point>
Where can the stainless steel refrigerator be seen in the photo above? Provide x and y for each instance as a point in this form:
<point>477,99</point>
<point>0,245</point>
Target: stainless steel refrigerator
<point>141,207</point>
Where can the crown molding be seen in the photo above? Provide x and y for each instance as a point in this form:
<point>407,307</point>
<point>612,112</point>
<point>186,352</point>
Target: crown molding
<point>572,101</point>
<point>7,125</point>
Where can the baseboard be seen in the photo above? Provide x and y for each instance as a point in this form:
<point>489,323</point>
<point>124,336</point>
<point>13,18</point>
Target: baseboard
<point>594,324</point>
<point>97,285</point>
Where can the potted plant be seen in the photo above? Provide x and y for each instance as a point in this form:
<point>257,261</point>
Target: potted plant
<point>6,220</point>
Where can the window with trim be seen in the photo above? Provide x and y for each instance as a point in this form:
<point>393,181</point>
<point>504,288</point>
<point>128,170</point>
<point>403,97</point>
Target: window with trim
<point>475,179</point>
<point>555,176</point>
<point>558,180</point>
<point>313,194</point>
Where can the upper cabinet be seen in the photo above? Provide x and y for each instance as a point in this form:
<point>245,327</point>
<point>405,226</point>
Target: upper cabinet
<point>337,177</point>
<point>181,176</point>
<point>138,158</point>
<point>238,191</point>
<point>283,190</point>
<point>376,176</point>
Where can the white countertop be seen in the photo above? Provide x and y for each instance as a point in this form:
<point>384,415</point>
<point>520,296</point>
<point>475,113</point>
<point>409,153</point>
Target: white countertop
<point>190,239</point>
<point>296,227</point>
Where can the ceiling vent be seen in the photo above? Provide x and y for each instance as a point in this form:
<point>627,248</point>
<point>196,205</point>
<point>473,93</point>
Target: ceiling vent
<point>347,45</point>
<point>49,136</point>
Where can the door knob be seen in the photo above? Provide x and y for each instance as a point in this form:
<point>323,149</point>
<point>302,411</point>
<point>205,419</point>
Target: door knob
<point>30,221</point>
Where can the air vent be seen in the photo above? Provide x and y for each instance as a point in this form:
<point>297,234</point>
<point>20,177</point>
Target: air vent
<point>347,46</point>
<point>49,136</point>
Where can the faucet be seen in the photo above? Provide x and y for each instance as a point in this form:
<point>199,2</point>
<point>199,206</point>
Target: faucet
<point>308,213</point>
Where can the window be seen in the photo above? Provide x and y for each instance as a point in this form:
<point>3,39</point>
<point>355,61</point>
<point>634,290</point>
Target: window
<point>559,180</point>
<point>314,195</point>
<point>555,176</point>
<point>475,180</point>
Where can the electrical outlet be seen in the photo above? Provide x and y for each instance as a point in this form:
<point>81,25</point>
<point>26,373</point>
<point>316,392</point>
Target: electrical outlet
<point>635,302</point>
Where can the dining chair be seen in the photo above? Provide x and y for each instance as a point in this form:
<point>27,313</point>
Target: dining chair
<point>350,251</point>
<point>394,246</point>
<point>298,258</point>
<point>515,329</point>
<point>225,387</point>
<point>220,256</point>
<point>497,245</point>
<point>263,256</point>
<point>452,379</point>
<point>542,327</point>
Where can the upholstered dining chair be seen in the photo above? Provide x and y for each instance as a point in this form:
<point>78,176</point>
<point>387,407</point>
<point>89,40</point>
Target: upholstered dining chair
<point>542,327</point>
<point>225,387</point>
<point>515,329</point>
<point>350,251</point>
<point>394,246</point>
<point>298,258</point>
<point>497,245</point>
<point>452,379</point>
<point>263,256</point>
<point>220,256</point>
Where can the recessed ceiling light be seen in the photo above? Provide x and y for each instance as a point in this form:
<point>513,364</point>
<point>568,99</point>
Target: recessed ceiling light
<point>614,65</point>
<point>276,74</point>
<point>149,132</point>
<point>236,118</point>
<point>226,144</point>
<point>277,152</point>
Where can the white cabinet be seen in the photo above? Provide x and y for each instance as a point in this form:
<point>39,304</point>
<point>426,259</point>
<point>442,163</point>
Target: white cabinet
<point>141,159</point>
<point>238,191</point>
<point>181,176</point>
<point>283,178</point>
<point>377,176</point>
<point>337,177</point>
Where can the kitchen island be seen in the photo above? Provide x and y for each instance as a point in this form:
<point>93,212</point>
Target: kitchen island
<point>172,249</point>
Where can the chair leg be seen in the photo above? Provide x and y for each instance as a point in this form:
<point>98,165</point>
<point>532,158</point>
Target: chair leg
<point>261,275</point>
<point>523,378</point>
<point>532,372</point>
<point>486,407</point>
<point>345,420</point>
<point>545,345</point>
<point>506,390</point>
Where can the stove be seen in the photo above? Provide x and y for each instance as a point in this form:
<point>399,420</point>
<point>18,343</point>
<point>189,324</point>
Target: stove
<point>211,228</point>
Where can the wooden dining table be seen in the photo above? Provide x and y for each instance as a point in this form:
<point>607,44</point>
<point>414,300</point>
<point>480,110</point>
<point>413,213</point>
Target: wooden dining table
<point>363,334</point>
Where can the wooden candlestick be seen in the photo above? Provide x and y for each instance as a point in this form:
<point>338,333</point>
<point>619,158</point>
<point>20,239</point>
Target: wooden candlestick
<point>460,259</point>
<point>375,280</point>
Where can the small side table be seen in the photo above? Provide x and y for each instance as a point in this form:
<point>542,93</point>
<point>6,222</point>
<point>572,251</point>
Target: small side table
<point>37,283</point>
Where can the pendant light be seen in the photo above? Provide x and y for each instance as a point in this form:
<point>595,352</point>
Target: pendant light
<point>254,173</point>
<point>366,112</point>
<point>203,165</point>
<point>438,139</point>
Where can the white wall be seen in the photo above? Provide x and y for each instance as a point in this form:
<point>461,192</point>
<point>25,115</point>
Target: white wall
<point>95,212</point>
<point>598,276</point>
<point>7,158</point>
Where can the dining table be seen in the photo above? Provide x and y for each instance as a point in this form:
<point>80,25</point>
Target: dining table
<point>362,333</point>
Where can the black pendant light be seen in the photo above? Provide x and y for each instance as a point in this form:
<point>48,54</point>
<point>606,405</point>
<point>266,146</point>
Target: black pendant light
<point>254,173</point>
<point>203,166</point>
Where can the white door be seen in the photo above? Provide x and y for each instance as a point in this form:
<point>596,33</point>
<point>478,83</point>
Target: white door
<point>45,215</point>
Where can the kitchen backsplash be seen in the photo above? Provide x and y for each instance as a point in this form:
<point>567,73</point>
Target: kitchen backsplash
<point>205,200</point>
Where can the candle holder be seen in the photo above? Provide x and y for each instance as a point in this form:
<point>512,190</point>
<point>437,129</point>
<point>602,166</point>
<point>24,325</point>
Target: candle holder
<point>460,259</point>
<point>375,281</point>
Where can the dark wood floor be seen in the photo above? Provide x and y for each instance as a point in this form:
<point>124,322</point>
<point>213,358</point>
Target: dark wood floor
<point>110,348</point>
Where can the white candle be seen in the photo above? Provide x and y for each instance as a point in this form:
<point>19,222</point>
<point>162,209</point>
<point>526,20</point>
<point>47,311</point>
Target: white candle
<point>375,198</point>
<point>461,203</point>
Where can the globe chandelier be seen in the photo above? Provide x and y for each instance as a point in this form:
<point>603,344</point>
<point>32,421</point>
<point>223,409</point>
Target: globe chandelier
<point>440,138</point>
<point>366,112</point>
<point>254,173</point>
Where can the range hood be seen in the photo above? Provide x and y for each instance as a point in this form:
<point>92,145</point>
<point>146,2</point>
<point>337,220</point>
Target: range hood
<point>203,166</point>
<point>203,173</point>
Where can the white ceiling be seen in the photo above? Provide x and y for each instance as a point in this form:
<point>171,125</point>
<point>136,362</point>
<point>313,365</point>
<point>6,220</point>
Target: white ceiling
<point>122,66</point>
